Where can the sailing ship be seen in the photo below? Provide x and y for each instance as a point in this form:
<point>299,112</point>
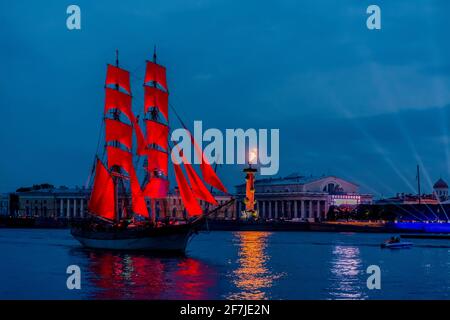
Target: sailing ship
<point>119,215</point>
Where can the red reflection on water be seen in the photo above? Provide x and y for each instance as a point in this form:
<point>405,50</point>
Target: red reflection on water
<point>135,276</point>
<point>194,280</point>
<point>126,276</point>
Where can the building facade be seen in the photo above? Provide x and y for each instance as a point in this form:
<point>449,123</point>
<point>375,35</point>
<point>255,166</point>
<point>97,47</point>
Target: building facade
<point>440,190</point>
<point>304,198</point>
<point>53,203</point>
<point>175,208</point>
<point>69,203</point>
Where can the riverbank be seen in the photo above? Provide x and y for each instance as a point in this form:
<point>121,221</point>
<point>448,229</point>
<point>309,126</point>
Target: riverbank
<point>329,226</point>
<point>28,222</point>
<point>274,225</point>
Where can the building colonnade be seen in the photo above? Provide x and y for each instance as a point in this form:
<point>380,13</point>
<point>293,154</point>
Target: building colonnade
<point>289,208</point>
<point>72,207</point>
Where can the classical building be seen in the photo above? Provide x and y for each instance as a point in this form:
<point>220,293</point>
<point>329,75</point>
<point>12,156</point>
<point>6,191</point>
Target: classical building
<point>177,210</point>
<point>301,197</point>
<point>68,203</point>
<point>440,190</point>
<point>59,202</point>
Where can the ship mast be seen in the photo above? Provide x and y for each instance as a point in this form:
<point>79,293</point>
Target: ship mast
<point>154,117</point>
<point>105,200</point>
<point>116,169</point>
<point>156,147</point>
<point>156,144</point>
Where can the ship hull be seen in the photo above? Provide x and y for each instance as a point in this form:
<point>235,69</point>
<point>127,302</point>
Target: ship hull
<point>168,239</point>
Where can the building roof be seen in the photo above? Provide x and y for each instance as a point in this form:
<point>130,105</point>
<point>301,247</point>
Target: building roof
<point>54,191</point>
<point>290,179</point>
<point>440,184</point>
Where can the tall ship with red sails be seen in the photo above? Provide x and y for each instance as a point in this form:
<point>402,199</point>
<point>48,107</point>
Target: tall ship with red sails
<point>119,216</point>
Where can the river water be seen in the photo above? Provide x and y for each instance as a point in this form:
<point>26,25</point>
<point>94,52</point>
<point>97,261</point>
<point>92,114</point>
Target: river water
<point>225,265</point>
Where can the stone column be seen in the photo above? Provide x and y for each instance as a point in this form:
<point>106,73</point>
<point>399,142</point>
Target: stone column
<point>270,209</point>
<point>318,208</point>
<point>288,209</point>
<point>311,213</point>
<point>61,207</point>
<point>295,209</point>
<point>302,207</point>
<point>266,209</point>
<point>68,208</point>
<point>276,209</point>
<point>82,208</point>
<point>75,207</point>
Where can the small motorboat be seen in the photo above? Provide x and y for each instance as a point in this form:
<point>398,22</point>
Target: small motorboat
<point>396,243</point>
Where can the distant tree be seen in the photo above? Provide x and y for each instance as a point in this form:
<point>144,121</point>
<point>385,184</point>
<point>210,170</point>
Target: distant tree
<point>47,186</point>
<point>36,187</point>
<point>23,189</point>
<point>331,215</point>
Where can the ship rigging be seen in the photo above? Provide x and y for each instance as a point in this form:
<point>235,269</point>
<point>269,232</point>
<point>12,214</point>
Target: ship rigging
<point>116,177</point>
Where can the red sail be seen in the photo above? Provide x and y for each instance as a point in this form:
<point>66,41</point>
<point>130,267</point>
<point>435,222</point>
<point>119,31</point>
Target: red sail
<point>189,201</point>
<point>157,160</point>
<point>118,100</point>
<point>141,145</point>
<point>121,158</point>
<point>208,173</point>
<point>157,188</point>
<point>118,76</point>
<point>138,204</point>
<point>210,176</point>
<point>154,97</point>
<point>157,133</point>
<point>102,196</point>
<point>156,72</point>
<point>118,131</point>
<point>199,189</point>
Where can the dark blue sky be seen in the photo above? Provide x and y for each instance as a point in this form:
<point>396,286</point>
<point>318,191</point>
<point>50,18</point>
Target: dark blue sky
<point>364,105</point>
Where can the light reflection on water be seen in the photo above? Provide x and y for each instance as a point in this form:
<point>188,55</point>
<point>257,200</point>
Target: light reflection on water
<point>136,276</point>
<point>346,273</point>
<point>218,265</point>
<point>252,277</point>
